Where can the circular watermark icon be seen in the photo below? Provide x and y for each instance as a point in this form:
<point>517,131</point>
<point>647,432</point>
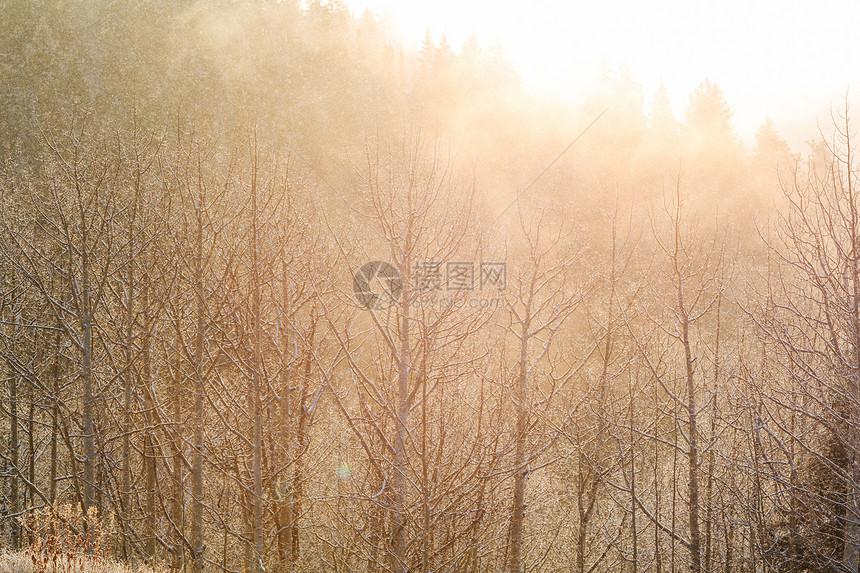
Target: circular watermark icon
<point>377,285</point>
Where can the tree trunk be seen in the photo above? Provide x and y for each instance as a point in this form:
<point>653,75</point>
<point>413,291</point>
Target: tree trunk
<point>693,451</point>
<point>398,541</point>
<point>149,450</point>
<point>520,464</point>
<point>14,445</point>
<point>128,383</point>
<point>197,543</point>
<point>301,447</point>
<point>178,502</point>
<point>88,424</point>
<point>285,512</point>
<point>851,557</point>
<point>256,383</point>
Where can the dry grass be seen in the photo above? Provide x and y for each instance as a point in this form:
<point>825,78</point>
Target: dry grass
<point>66,541</point>
<point>21,562</point>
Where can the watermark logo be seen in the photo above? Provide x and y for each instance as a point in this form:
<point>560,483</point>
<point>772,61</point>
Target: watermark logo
<point>459,276</point>
<point>377,285</point>
<point>494,275</point>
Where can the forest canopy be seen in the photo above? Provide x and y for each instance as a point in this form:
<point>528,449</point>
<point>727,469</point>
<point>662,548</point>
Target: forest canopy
<point>280,294</point>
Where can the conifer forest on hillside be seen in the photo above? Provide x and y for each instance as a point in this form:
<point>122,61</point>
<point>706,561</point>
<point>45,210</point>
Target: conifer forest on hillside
<point>280,294</point>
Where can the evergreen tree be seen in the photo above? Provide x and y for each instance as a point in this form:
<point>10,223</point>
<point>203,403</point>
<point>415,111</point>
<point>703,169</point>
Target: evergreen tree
<point>771,149</point>
<point>427,53</point>
<point>663,126</point>
<point>709,121</point>
<point>662,148</point>
<point>713,159</point>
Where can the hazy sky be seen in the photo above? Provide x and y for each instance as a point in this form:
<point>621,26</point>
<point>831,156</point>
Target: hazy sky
<point>786,59</point>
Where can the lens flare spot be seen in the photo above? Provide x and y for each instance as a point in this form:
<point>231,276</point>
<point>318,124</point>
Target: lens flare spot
<point>344,471</point>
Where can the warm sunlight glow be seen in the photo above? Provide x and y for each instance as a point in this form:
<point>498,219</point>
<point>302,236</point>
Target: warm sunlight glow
<point>402,287</point>
<point>789,60</point>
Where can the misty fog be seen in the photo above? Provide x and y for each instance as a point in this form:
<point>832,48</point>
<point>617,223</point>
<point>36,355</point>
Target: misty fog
<point>280,292</point>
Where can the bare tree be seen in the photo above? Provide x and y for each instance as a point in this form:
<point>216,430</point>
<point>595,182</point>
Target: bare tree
<point>74,226</point>
<point>684,294</point>
<point>810,312</point>
<point>421,470</point>
<point>545,295</point>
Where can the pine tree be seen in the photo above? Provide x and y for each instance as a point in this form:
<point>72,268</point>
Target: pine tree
<point>770,148</point>
<point>708,110</point>
<point>664,127</point>
<point>427,53</point>
<point>709,126</point>
<point>713,158</point>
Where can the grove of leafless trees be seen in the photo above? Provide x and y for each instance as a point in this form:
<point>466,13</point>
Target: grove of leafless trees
<point>644,358</point>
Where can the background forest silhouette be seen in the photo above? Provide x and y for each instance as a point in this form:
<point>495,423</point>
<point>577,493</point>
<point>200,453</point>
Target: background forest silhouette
<point>188,188</point>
